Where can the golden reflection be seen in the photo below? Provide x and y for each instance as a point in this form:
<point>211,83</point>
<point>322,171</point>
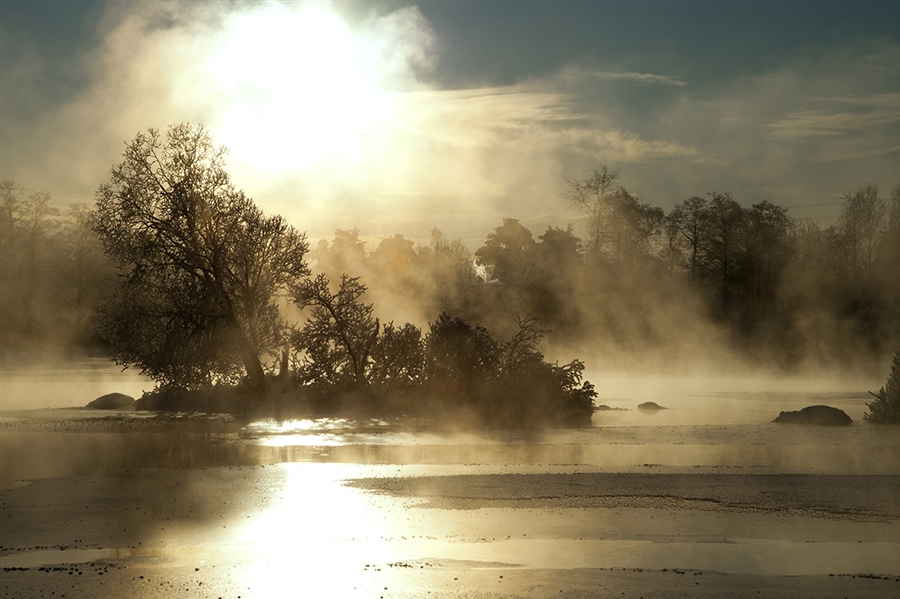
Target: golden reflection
<point>320,535</point>
<point>310,440</point>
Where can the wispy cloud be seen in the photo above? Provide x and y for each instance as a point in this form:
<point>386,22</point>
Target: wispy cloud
<point>577,74</point>
<point>847,127</point>
<point>640,77</point>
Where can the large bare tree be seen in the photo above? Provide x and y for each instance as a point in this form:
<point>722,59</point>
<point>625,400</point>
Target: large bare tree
<point>201,266</point>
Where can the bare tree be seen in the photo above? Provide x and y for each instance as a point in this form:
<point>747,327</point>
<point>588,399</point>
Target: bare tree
<point>201,265</point>
<point>862,225</point>
<point>768,250</point>
<point>28,230</point>
<point>725,227</point>
<point>619,224</point>
<point>340,333</point>
<point>591,197</point>
<point>11,204</point>
<point>86,273</point>
<point>689,220</point>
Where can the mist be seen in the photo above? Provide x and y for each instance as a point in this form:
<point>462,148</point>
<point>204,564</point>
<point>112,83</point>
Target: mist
<point>450,250</point>
<point>822,306</point>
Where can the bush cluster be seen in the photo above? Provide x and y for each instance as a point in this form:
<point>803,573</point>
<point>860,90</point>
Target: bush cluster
<point>886,407</point>
<point>457,371</point>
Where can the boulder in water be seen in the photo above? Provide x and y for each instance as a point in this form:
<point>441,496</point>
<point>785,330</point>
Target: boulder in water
<point>112,401</point>
<point>650,406</point>
<point>816,415</point>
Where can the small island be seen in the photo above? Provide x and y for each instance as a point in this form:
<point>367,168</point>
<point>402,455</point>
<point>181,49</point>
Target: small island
<point>205,283</point>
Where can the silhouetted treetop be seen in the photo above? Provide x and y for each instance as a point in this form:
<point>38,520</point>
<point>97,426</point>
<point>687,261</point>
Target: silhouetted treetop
<point>619,226</point>
<point>202,264</point>
<point>507,250</point>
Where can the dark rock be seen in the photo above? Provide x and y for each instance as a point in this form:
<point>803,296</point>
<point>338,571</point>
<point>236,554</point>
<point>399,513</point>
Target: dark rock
<point>650,406</point>
<point>112,401</point>
<point>816,415</point>
<point>606,408</point>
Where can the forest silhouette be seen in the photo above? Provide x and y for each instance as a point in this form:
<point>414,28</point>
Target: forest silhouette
<point>176,272</point>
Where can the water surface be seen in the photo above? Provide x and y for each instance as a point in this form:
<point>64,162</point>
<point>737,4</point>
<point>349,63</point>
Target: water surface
<point>274,498</point>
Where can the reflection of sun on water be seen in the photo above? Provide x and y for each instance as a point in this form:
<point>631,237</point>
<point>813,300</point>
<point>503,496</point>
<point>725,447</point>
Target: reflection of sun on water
<point>298,86</point>
<point>318,535</point>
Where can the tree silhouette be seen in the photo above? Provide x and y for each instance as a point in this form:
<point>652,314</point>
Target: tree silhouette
<point>862,224</point>
<point>886,407</point>
<point>507,250</point>
<point>724,240</point>
<point>398,359</point>
<point>461,358</point>
<point>619,224</point>
<point>201,265</point>
<point>768,249</point>
<point>689,219</point>
<point>339,335</point>
<point>29,228</point>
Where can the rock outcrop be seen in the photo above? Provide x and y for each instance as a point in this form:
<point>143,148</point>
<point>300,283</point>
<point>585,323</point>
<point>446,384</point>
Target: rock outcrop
<point>817,416</point>
<point>112,401</point>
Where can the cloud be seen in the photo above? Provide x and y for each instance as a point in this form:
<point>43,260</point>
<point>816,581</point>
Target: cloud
<point>485,154</point>
<point>578,75</point>
<point>289,84</point>
<point>640,77</point>
<point>806,130</point>
<point>371,142</point>
<point>848,128</point>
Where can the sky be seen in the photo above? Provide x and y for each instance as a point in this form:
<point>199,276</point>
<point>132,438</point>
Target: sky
<point>398,117</point>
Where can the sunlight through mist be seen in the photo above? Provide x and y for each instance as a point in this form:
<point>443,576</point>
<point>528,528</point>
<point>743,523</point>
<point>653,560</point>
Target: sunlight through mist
<point>300,87</point>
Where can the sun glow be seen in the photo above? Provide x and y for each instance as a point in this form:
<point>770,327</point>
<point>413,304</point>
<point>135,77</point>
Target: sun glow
<point>298,87</point>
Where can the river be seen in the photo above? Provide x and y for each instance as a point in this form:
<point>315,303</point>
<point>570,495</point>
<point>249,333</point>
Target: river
<point>708,486</point>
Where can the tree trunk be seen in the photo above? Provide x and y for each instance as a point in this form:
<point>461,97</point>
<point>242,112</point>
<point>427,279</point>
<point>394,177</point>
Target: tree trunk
<point>249,356</point>
<point>283,367</point>
<point>255,374</point>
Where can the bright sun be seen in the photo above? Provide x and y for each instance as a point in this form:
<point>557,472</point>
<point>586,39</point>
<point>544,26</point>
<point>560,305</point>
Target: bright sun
<point>298,87</point>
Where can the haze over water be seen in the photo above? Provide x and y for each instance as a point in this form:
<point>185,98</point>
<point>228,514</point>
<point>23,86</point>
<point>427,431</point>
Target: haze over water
<point>696,202</point>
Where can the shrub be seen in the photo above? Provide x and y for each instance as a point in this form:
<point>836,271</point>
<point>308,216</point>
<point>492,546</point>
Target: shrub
<point>505,384</point>
<point>886,407</point>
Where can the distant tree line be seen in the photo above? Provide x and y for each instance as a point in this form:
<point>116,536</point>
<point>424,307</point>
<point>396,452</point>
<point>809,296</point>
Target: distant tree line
<point>628,278</point>
<point>775,287</point>
<point>53,273</point>
<point>241,293</point>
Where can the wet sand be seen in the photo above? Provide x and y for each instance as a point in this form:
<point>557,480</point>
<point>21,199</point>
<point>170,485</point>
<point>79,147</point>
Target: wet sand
<point>566,514</point>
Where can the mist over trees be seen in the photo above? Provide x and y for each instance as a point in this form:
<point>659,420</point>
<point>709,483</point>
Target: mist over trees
<point>626,282</point>
<point>53,273</point>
